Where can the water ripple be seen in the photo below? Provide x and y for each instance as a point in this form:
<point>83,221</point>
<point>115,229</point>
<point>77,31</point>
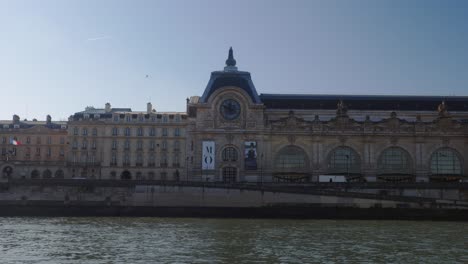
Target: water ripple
<point>176,240</point>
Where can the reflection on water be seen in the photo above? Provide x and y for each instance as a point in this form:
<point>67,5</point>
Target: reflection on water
<point>169,240</point>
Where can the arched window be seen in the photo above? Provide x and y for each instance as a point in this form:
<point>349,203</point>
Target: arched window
<point>59,174</point>
<point>113,175</point>
<point>394,161</point>
<point>344,161</point>
<point>229,154</point>
<point>445,162</point>
<point>291,165</point>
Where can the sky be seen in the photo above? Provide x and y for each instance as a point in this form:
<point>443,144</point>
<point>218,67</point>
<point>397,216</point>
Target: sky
<point>57,57</point>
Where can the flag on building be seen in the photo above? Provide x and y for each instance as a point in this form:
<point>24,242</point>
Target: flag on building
<point>14,141</point>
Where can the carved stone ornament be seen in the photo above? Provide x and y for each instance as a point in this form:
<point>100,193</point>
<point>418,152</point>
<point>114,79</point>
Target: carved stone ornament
<point>229,138</point>
<point>393,140</point>
<point>445,141</point>
<point>291,139</point>
<point>342,140</point>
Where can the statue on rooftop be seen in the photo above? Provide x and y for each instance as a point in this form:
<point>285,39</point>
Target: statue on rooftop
<point>442,109</point>
<point>342,109</point>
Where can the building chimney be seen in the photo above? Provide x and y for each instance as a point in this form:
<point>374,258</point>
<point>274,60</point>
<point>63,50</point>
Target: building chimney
<point>49,119</point>
<point>16,118</point>
<point>149,108</point>
<point>108,107</point>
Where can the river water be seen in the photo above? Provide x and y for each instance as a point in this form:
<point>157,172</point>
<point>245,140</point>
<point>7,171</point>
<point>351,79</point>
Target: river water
<point>185,240</point>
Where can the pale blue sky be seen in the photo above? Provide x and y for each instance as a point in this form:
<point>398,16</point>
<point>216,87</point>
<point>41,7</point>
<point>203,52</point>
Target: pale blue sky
<point>56,57</point>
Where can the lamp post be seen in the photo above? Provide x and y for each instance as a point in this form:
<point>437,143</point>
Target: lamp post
<point>347,167</point>
<point>261,169</point>
<point>186,168</point>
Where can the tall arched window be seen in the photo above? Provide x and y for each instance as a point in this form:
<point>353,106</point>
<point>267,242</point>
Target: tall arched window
<point>229,154</point>
<point>395,165</point>
<point>394,160</point>
<point>291,165</point>
<point>344,161</point>
<point>445,162</point>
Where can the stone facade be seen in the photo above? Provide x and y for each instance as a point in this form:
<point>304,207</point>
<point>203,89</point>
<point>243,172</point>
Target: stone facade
<point>232,133</point>
<point>33,149</point>
<point>118,143</point>
<point>300,137</point>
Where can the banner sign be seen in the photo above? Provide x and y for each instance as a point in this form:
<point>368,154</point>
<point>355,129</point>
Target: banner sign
<point>208,155</point>
<point>250,155</point>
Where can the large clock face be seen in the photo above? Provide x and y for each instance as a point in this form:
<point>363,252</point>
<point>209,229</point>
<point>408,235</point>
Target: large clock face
<point>230,109</point>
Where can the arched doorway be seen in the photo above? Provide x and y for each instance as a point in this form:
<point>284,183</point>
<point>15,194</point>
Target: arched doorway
<point>59,174</point>
<point>345,161</point>
<point>47,174</point>
<point>229,174</point>
<point>446,165</point>
<point>35,174</point>
<point>291,165</point>
<point>7,172</point>
<point>126,175</point>
<point>395,165</point>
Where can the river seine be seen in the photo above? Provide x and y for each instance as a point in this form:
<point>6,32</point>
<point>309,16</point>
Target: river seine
<point>185,240</point>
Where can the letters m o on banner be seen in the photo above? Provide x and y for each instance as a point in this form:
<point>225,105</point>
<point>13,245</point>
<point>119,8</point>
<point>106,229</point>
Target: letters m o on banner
<point>208,155</point>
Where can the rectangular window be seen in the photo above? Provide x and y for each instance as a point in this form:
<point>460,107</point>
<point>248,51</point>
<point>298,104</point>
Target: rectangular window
<point>114,144</point>
<point>115,131</point>
<point>114,159</point>
<point>75,131</point>
<point>62,152</point>
<point>116,118</point>
<point>62,140</point>
<point>49,140</point>
<point>164,132</point>
<point>127,145</point>
<point>126,161</point>
<point>152,145</point>
<point>28,140</point>
<point>93,146</point>
<point>49,152</point>
<point>139,145</point>
<point>152,132</point>
<point>38,151</point>
<point>177,132</point>
<point>85,131</point>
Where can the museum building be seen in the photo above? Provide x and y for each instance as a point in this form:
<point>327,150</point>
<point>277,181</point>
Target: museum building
<point>236,134</point>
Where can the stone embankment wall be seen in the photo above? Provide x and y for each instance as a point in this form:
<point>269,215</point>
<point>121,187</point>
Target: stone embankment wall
<point>187,196</point>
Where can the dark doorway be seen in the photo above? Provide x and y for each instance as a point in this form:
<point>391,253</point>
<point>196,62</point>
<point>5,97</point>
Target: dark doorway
<point>126,175</point>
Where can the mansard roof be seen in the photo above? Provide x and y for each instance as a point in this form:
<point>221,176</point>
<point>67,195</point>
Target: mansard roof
<point>363,102</point>
<point>230,77</point>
